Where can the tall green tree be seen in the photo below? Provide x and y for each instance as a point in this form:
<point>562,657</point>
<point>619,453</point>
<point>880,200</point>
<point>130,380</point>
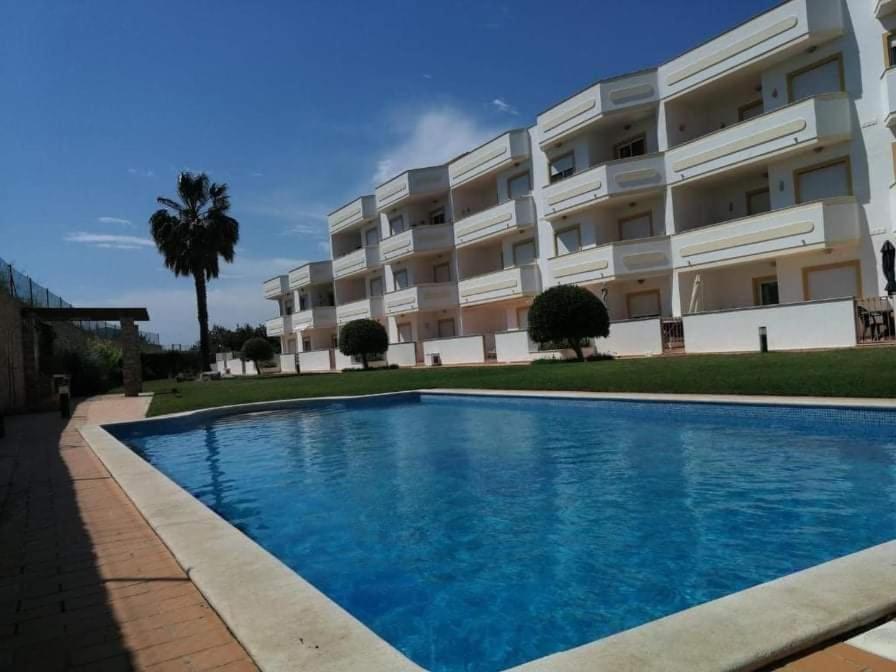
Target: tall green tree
<point>191,233</point>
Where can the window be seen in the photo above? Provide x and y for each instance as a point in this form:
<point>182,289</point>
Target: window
<point>636,226</point>
<point>401,278</point>
<point>372,236</point>
<point>643,304</point>
<point>758,201</point>
<point>890,49</point>
<point>750,110</point>
<point>446,328</point>
<point>518,185</point>
<point>636,146</point>
<point>376,286</point>
<point>823,77</point>
<point>765,291</point>
<point>567,241</point>
<point>288,305</point>
<point>303,301</point>
<point>306,344</point>
<point>437,216</point>
<point>441,272</point>
<point>405,332</point>
<point>396,224</point>
<point>832,281</point>
<point>562,167</point>
<point>823,181</point>
<point>522,318</point>
<point>524,252</point>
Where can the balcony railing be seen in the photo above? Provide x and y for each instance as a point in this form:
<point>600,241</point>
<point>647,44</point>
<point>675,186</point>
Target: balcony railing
<point>509,283</point>
<point>604,181</point>
<point>416,240</point>
<point>314,273</point>
<point>884,8</point>
<point>352,215</point>
<point>278,326</point>
<point>371,308</point>
<point>816,225</point>
<point>613,260</point>
<point>412,184</point>
<point>800,127</point>
<point>276,286</point>
<point>509,217</point>
<point>431,296</point>
<point>495,155</point>
<point>361,260</point>
<point>888,96</point>
<point>318,317</point>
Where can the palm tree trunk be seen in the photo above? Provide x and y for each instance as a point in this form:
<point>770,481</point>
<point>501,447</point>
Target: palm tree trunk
<point>202,314</point>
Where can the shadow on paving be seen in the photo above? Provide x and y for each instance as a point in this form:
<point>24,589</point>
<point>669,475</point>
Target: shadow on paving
<point>80,570</point>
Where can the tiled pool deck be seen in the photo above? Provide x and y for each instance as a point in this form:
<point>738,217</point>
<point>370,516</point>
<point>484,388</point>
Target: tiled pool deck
<point>86,584</point>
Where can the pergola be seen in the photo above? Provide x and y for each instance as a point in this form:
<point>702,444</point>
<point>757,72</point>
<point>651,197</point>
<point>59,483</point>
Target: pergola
<point>130,338</point>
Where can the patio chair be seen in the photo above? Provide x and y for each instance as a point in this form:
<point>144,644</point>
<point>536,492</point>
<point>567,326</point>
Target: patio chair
<point>869,323</point>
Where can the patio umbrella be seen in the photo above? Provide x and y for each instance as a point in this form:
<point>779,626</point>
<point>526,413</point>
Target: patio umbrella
<point>888,257</point>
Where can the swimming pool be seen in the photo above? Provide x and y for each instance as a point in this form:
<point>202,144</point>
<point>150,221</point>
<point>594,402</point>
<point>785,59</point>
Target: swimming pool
<point>474,533</point>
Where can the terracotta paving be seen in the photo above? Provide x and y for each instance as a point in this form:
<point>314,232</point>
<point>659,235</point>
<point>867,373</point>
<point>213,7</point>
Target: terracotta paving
<point>85,584</point>
<point>841,658</point>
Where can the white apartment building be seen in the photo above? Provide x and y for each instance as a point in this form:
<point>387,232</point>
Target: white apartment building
<point>745,186</point>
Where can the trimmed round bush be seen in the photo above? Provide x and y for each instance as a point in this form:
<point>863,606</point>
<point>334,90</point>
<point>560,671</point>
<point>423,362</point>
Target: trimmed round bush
<point>362,338</point>
<point>258,350</point>
<point>568,314</point>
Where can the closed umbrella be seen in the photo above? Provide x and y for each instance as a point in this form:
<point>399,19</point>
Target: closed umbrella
<point>888,258</point>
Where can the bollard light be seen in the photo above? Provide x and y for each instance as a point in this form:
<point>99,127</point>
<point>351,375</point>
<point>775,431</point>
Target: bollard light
<point>763,339</point>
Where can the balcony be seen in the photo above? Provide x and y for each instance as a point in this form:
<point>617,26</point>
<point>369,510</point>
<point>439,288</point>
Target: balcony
<point>318,317</point>
<point>432,296</point>
<point>360,261</point>
<point>612,261</point>
<point>276,286</point>
<point>314,273</point>
<point>770,37</point>
<point>509,217</point>
<point>811,226</point>
<point>352,215</point>
<point>510,283</point>
<point>582,110</point>
<point>411,185</point>
<point>421,239</point>
<point>278,326</point>
<point>495,155</point>
<point>888,96</point>
<point>793,129</point>
<point>604,181</point>
<point>884,8</point>
<point>370,308</point>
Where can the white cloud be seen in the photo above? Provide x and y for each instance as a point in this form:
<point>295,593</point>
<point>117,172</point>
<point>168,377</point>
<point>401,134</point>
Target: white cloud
<point>257,268</point>
<point>316,229</point>
<point>503,106</point>
<point>432,137</point>
<point>109,240</point>
<point>426,75</point>
<point>114,220</point>
<point>142,172</point>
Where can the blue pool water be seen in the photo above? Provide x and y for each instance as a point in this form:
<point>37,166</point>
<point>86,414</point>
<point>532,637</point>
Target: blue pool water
<point>476,533</point>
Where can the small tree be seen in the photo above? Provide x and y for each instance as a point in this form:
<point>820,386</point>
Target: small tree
<point>258,350</point>
<point>568,313</point>
<point>361,338</point>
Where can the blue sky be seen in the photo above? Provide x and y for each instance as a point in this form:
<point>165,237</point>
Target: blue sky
<point>299,107</point>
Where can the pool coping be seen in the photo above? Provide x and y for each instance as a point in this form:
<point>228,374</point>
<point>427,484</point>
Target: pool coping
<point>285,623</point>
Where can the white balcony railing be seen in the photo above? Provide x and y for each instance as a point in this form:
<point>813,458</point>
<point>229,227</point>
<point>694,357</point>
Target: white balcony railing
<point>371,308</point>
<point>888,96</point>
<point>816,225</point>
<point>276,286</point>
<point>313,273</point>
<point>318,317</point>
<point>277,326</point>
<point>615,178</point>
<point>614,260</point>
<point>416,240</point>
<point>509,217</point>
<point>884,8</point>
<point>352,215</point>
<point>432,296</point>
<point>361,260</point>
<point>510,283</point>
<point>495,155</point>
<point>796,128</point>
<point>412,184</point>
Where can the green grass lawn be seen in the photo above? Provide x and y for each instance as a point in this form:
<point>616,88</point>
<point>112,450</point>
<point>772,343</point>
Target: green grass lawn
<point>846,373</point>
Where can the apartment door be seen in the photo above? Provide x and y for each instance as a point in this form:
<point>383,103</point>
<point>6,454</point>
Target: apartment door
<point>831,281</point>
<point>765,291</point>
<point>637,226</point>
<point>823,181</point>
<point>441,272</point>
<point>524,252</point>
<point>405,332</point>
<point>371,236</point>
<point>376,286</point>
<point>522,318</point>
<point>306,344</point>
<point>758,201</point>
<point>823,77</point>
<point>446,328</point>
<point>643,304</point>
<point>401,279</point>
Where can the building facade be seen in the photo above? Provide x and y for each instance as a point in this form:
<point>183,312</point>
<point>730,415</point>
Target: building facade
<point>742,188</point>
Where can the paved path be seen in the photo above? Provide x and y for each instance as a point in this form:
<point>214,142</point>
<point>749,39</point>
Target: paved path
<point>85,584</point>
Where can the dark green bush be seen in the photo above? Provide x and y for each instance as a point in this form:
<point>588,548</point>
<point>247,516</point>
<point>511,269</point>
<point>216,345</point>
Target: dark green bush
<point>364,339</point>
<point>169,363</point>
<point>258,350</point>
<point>568,314</point>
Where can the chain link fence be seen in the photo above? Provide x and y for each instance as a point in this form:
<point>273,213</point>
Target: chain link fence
<point>21,286</point>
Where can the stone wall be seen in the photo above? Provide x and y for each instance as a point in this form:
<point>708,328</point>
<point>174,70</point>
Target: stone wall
<point>12,374</point>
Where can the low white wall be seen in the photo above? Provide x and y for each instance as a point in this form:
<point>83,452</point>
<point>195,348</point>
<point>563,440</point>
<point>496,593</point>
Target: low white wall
<point>459,350</point>
<point>235,366</point>
<point>512,346</point>
<point>314,360</point>
<point>795,326</point>
<point>402,354</point>
<point>632,337</point>
<point>346,362</point>
<point>288,363</point>
<point>249,369</point>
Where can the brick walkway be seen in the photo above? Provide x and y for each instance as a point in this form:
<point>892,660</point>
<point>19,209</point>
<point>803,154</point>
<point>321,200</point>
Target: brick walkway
<point>85,584</point>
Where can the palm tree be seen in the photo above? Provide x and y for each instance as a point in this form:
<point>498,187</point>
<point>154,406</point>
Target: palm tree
<point>191,234</point>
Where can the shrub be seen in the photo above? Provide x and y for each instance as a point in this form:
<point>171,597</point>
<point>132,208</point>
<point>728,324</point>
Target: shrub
<point>169,363</point>
<point>258,350</point>
<point>567,314</point>
<point>94,369</point>
<point>364,339</point>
